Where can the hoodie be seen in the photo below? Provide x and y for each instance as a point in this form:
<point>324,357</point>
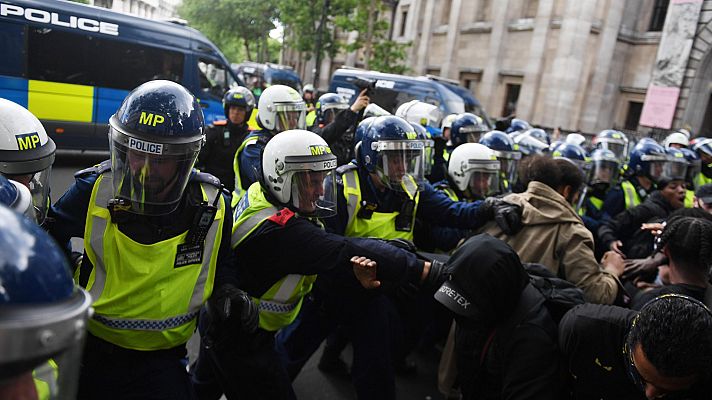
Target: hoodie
<point>555,236</point>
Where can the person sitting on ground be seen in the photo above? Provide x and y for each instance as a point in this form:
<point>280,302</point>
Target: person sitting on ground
<point>505,338</point>
<point>554,235</point>
<point>687,243</point>
<point>616,353</point>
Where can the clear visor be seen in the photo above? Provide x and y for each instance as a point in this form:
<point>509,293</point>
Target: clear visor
<point>314,193</point>
<point>152,176</point>
<point>290,116</point>
<point>675,169</point>
<point>619,148</point>
<point>472,133</point>
<point>482,183</point>
<point>693,169</point>
<point>329,115</point>
<point>508,165</point>
<point>38,183</point>
<point>401,165</point>
<point>604,172</point>
<point>428,157</point>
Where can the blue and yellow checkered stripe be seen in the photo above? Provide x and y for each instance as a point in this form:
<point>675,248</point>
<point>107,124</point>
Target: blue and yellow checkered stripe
<point>62,101</point>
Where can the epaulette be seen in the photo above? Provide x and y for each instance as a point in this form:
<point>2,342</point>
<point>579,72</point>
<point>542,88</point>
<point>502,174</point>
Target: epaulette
<point>204,177</point>
<point>95,169</point>
<point>221,122</point>
<point>344,168</point>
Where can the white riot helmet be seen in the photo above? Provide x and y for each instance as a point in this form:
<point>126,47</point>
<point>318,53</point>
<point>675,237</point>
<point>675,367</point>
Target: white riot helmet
<point>298,170</point>
<point>575,138</point>
<point>447,121</point>
<point>374,110</point>
<point>281,108</point>
<point>26,153</point>
<point>676,139</point>
<point>474,167</point>
<point>418,112</point>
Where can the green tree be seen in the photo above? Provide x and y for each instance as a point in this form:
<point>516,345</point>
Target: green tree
<point>239,27</point>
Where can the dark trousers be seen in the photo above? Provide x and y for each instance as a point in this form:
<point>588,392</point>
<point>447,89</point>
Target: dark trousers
<point>112,372</point>
<point>371,324</point>
<point>242,366</point>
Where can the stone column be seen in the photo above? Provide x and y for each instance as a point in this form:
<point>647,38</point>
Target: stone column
<point>535,62</point>
<point>593,117</point>
<point>453,29</point>
<point>562,83</point>
<point>498,37</point>
<point>421,64</point>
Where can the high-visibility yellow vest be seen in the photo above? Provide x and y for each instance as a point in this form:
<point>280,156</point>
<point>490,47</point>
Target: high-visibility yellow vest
<point>146,296</point>
<point>311,118</point>
<point>45,378</point>
<point>380,225</point>
<point>631,196</point>
<point>239,191</point>
<point>701,179</point>
<point>279,305</point>
<point>689,198</point>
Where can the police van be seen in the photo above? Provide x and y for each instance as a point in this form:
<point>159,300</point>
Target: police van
<point>71,65</point>
<point>392,90</point>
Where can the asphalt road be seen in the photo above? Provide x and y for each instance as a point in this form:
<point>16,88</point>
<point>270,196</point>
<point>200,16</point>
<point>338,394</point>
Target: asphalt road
<point>311,383</point>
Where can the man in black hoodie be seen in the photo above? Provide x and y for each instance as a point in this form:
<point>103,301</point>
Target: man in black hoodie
<point>623,234</point>
<point>505,338</point>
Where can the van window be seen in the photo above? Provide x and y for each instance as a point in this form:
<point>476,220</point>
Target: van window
<point>67,57</point>
<point>214,79</point>
<point>11,43</point>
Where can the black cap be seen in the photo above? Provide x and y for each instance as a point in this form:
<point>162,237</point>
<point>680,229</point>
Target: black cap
<point>486,281</point>
<point>704,193</point>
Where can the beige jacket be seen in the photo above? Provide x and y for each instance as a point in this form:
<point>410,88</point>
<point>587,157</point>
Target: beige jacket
<point>553,235</point>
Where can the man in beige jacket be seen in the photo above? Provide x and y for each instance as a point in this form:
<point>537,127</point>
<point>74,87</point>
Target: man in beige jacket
<point>554,235</point>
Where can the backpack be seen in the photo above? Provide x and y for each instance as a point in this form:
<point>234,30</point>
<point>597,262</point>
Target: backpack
<point>560,295</point>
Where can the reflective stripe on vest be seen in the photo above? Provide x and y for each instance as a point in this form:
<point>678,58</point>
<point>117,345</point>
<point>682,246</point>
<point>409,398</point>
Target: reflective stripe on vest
<point>689,198</point>
<point>450,193</point>
<point>45,378</point>
<point>239,191</point>
<point>142,299</point>
<point>280,304</point>
<point>380,225</point>
<point>630,194</point>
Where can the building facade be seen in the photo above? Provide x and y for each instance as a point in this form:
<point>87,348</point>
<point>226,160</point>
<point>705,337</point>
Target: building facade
<point>579,65</point>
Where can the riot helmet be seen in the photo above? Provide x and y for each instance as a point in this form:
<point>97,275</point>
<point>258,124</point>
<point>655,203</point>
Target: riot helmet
<point>574,153</point>
<point>328,106</point>
<point>298,170</point>
<point>418,112</point>
<point>43,316</point>
<point>676,166</point>
<point>694,166</point>
<point>647,159</point>
<point>518,125</point>
<point>155,137</point>
<point>467,128</point>
<point>507,153</point>
<point>240,97</point>
<point>429,151</point>
<point>604,170</point>
<point>613,140</point>
<point>474,170</point>
<point>575,138</point>
<point>391,150</point>
<point>676,139</point>
<point>26,153</point>
<point>374,110</point>
<point>280,109</point>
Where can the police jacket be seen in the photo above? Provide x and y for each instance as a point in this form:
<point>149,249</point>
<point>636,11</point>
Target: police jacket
<point>434,207</point>
<point>626,226</point>
<point>217,156</point>
<point>292,244</point>
<point>141,270</point>
<point>336,136</point>
<point>249,160</point>
<point>615,202</point>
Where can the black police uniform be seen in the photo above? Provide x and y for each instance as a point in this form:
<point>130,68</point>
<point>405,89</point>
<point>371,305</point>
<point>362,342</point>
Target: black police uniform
<point>217,156</point>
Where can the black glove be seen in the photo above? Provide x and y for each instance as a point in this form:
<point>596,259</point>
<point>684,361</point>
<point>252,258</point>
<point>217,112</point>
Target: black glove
<point>508,216</point>
<point>234,308</point>
<point>439,273</point>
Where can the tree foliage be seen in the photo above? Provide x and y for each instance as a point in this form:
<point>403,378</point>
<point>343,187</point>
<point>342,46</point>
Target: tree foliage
<point>239,27</point>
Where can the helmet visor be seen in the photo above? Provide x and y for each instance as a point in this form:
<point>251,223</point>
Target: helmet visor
<point>38,183</point>
<point>428,157</point>
<point>508,161</point>
<point>290,116</point>
<point>483,183</point>
<point>675,169</point>
<point>618,148</point>
<point>152,176</point>
<point>314,193</point>
<point>401,164</point>
<point>604,172</point>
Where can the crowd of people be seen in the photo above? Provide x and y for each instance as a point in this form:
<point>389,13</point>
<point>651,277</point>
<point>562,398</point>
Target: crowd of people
<point>541,266</point>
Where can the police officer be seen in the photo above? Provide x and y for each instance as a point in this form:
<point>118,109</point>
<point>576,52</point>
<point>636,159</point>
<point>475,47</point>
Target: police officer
<point>42,315</point>
<point>309,97</point>
<point>466,128</point>
<point>225,136</point>
<point>613,140</point>
<point>280,108</point>
<point>507,153</point>
<point>427,117</point>
<point>280,246</point>
<point>156,243</point>
<point>644,169</point>
<point>336,122</point>
<point>704,150</point>
<point>26,153</point>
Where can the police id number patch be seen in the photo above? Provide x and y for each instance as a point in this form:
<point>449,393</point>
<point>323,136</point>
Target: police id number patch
<point>188,254</point>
